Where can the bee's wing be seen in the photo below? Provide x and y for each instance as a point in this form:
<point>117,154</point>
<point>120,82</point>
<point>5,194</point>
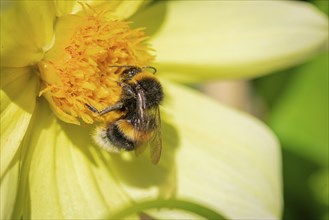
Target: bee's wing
<point>153,135</point>
<point>156,138</point>
<point>140,122</point>
<point>141,113</point>
<point>148,126</point>
<point>140,148</point>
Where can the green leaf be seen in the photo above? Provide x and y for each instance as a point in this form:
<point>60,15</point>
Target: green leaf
<point>300,117</point>
<point>323,5</point>
<point>320,186</point>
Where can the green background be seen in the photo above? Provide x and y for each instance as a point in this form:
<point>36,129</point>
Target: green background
<point>296,109</point>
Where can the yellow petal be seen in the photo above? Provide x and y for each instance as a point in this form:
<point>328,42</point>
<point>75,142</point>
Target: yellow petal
<point>215,156</point>
<point>230,39</point>
<point>64,7</point>
<point>226,160</point>
<point>8,190</point>
<point>70,178</point>
<point>65,181</point>
<point>27,32</point>
<point>127,8</point>
<point>222,159</point>
<point>18,96</point>
<point>121,9</point>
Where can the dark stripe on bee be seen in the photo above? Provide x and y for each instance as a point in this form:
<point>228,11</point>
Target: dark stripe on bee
<point>123,135</point>
<point>118,138</point>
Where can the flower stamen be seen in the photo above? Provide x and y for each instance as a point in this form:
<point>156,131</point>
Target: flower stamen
<point>77,70</point>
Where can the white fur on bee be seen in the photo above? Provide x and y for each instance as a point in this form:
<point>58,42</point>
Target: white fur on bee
<point>102,140</point>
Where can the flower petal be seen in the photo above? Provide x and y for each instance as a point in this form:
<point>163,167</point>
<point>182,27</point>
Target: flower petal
<point>217,157</point>
<point>65,179</point>
<point>120,9</point>
<point>225,160</point>
<point>230,39</point>
<point>18,94</point>
<point>8,190</point>
<point>72,179</point>
<point>125,9</point>
<point>236,172</point>
<point>64,7</point>
<point>27,32</point>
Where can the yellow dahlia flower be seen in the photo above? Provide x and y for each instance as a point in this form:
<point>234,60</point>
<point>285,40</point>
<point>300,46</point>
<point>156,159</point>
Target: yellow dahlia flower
<point>215,159</point>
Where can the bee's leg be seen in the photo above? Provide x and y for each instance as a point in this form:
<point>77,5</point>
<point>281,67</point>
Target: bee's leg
<point>108,109</point>
<point>91,108</point>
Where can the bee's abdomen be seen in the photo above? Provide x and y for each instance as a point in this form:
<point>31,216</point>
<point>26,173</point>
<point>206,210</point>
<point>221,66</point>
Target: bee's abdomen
<point>117,137</point>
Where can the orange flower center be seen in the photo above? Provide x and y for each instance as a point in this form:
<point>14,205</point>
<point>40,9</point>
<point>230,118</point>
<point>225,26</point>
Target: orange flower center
<point>79,70</point>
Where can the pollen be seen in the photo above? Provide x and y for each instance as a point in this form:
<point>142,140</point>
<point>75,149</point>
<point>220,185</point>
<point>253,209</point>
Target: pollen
<point>79,68</point>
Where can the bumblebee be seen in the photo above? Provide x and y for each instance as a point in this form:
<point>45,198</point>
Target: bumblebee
<point>140,124</point>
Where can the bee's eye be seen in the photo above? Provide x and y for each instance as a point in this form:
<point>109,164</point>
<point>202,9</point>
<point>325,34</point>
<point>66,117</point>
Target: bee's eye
<point>130,72</point>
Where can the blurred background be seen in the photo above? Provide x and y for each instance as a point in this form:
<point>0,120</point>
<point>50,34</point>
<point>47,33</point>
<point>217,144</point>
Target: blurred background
<point>294,104</point>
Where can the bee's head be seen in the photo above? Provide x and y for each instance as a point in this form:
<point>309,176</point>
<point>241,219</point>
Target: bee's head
<point>129,73</point>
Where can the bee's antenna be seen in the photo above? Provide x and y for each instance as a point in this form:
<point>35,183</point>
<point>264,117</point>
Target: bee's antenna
<point>144,67</point>
<point>126,66</point>
<point>150,67</point>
